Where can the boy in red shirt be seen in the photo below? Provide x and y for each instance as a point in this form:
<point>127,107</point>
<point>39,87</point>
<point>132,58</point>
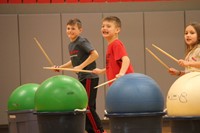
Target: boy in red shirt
<point>117,60</point>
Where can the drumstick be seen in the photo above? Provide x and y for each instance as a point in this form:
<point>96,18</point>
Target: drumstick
<point>164,52</point>
<point>159,60</point>
<point>47,57</point>
<point>68,69</point>
<point>105,83</point>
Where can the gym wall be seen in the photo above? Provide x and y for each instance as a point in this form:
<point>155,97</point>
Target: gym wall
<point>143,24</point>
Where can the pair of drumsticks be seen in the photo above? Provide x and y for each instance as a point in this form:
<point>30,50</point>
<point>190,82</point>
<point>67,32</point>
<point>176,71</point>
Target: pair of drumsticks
<point>67,69</point>
<point>158,59</point>
<point>52,64</point>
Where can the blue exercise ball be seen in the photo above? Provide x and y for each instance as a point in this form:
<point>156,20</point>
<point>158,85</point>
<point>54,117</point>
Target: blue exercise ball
<point>134,93</point>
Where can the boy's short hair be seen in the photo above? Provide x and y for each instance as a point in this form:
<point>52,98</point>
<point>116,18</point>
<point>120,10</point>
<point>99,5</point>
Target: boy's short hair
<point>74,22</point>
<point>114,19</point>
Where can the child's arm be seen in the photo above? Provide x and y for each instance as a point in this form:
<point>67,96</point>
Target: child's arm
<point>93,56</point>
<point>66,65</point>
<point>124,67</point>
<point>189,63</point>
<point>99,71</point>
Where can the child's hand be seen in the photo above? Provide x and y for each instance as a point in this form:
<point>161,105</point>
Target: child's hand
<point>97,71</point>
<point>183,63</point>
<point>119,75</point>
<point>173,71</point>
<point>56,70</point>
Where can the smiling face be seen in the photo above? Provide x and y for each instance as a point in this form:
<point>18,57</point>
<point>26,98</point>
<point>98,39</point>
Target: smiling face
<point>190,36</point>
<point>110,30</point>
<point>73,31</point>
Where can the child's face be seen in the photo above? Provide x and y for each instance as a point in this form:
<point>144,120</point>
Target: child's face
<point>73,32</point>
<point>190,36</point>
<point>109,29</point>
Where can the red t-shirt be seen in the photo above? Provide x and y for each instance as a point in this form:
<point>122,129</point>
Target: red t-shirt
<point>114,54</point>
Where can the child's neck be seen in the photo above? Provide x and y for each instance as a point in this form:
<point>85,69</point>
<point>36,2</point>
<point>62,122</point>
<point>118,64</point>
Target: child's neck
<point>110,40</point>
<point>73,39</point>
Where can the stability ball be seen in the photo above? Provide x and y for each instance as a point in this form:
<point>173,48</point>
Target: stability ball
<point>60,93</point>
<point>183,98</point>
<point>22,98</point>
<point>134,93</point>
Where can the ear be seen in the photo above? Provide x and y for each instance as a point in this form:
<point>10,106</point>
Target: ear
<point>81,29</point>
<point>118,29</point>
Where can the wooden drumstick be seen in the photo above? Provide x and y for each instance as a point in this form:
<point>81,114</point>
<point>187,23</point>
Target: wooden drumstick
<point>105,83</point>
<point>45,54</point>
<point>158,59</point>
<point>68,69</point>
<point>162,51</point>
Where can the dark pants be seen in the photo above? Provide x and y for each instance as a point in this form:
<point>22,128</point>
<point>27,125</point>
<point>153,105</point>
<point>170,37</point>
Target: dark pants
<point>93,122</point>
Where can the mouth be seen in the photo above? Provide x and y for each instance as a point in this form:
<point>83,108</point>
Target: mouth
<point>105,32</point>
<point>188,40</point>
<point>70,34</point>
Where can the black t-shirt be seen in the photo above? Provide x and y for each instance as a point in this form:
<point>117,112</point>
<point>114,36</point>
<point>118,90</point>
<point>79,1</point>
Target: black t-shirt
<point>79,51</point>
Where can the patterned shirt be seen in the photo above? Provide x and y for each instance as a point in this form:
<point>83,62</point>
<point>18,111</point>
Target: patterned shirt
<point>193,56</point>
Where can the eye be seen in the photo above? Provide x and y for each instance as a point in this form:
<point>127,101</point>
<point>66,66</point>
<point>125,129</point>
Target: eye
<point>68,28</point>
<point>108,26</point>
<point>186,32</point>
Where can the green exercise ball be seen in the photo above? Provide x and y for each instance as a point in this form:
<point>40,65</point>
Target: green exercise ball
<point>60,93</point>
<point>22,98</point>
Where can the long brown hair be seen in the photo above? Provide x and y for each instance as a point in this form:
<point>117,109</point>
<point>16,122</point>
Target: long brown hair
<point>196,26</point>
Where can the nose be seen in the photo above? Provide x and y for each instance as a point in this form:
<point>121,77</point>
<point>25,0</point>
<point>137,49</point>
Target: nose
<point>187,35</point>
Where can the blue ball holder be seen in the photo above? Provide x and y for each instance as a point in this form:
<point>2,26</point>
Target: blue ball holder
<point>150,122</point>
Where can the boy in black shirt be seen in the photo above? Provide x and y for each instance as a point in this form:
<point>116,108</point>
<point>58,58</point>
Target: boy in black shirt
<point>82,57</point>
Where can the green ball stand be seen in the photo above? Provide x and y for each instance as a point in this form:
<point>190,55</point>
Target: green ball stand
<point>61,122</point>
<point>20,109</point>
<point>22,122</point>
